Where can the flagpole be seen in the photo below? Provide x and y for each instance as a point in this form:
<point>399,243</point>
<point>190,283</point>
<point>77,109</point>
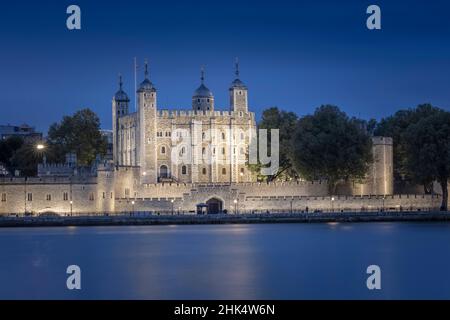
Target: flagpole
<point>135,84</point>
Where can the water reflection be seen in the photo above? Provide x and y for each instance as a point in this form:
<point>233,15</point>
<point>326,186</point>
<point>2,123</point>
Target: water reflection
<point>280,261</point>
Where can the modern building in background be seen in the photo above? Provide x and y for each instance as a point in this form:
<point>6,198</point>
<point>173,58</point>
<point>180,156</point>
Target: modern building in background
<point>24,131</point>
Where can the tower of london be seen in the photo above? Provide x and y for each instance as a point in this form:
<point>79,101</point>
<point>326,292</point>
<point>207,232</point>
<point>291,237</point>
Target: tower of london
<point>172,161</point>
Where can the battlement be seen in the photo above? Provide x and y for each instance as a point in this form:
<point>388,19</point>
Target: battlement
<point>196,113</point>
<point>382,141</point>
<point>48,180</point>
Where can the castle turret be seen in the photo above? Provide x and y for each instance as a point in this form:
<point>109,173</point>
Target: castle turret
<point>238,93</point>
<point>120,105</point>
<point>147,106</point>
<point>203,98</point>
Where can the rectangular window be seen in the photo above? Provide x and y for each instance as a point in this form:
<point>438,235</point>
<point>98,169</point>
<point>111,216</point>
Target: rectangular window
<point>3,197</point>
<point>127,192</point>
<point>65,196</point>
<point>104,195</point>
<point>49,197</point>
<point>91,196</point>
<point>30,197</point>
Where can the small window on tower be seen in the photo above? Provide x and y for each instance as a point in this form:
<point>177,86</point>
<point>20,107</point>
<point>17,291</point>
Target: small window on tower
<point>163,149</point>
<point>204,171</point>
<point>183,170</point>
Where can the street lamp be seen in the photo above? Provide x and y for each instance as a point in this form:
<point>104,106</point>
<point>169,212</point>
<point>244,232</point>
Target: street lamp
<point>40,148</point>
<point>172,201</point>
<point>71,204</point>
<point>235,206</point>
<point>332,204</point>
<point>132,204</point>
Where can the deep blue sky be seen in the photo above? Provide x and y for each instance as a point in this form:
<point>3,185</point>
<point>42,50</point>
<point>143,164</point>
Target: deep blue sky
<point>294,55</point>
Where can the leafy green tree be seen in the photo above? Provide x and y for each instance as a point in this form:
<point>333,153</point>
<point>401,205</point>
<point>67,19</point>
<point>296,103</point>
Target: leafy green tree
<point>7,149</point>
<point>395,127</point>
<point>329,145</point>
<point>80,134</point>
<point>427,149</point>
<point>273,118</point>
<point>26,159</point>
<point>19,154</point>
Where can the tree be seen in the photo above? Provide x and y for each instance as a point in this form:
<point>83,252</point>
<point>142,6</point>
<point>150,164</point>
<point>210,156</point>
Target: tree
<point>395,127</point>
<point>273,118</point>
<point>427,148</point>
<point>80,134</point>
<point>19,154</point>
<point>330,145</point>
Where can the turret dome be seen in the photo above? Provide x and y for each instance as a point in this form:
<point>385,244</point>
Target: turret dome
<point>120,94</point>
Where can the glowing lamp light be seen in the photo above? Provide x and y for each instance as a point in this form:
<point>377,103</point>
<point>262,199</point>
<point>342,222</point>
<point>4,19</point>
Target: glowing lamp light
<point>132,202</point>
<point>235,201</point>
<point>144,173</point>
<point>40,147</point>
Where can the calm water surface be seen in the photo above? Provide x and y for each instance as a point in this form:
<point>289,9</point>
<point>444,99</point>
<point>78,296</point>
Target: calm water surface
<point>265,261</point>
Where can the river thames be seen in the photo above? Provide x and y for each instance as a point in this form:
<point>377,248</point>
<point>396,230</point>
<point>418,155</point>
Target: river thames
<point>252,261</point>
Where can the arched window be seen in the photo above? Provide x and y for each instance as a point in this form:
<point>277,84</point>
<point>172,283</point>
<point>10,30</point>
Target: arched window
<point>204,170</point>
<point>163,149</point>
<point>223,135</point>
<point>203,150</point>
<point>224,171</point>
<point>223,150</point>
<point>183,170</point>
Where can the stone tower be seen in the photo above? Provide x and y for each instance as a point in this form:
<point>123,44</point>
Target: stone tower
<point>147,119</point>
<point>238,93</point>
<point>381,176</point>
<point>203,99</point>
<point>120,105</point>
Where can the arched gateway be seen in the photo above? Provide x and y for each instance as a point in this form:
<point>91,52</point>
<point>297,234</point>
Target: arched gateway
<point>215,206</point>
